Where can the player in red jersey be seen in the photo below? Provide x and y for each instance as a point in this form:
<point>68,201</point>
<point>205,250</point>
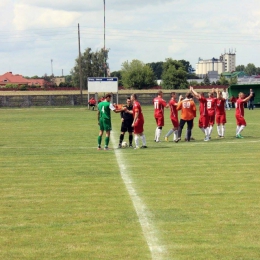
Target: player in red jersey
<point>220,114</point>
<point>211,107</point>
<point>159,105</point>
<point>204,117</point>
<point>138,123</point>
<point>174,117</point>
<point>241,122</point>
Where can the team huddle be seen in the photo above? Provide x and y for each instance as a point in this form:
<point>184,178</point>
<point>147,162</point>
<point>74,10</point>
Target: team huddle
<point>211,109</point>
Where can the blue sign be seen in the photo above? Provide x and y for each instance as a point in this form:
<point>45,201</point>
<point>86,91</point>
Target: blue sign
<point>102,79</point>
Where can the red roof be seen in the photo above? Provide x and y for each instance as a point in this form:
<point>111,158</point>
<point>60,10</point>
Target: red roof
<point>10,78</point>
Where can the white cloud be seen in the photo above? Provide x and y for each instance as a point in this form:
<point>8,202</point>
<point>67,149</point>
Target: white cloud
<point>28,17</point>
<point>90,5</point>
<point>36,31</point>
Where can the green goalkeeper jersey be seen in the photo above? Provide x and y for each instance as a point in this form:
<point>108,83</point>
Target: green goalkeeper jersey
<point>104,108</point>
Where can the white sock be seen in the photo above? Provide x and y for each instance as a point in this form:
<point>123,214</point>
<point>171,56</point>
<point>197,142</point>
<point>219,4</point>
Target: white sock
<point>169,133</point>
<point>223,130</point>
<point>143,139</point>
<point>136,140</point>
<point>202,129</point>
<point>210,129</point>
<point>159,131</point>
<point>238,127</point>
<point>175,135</point>
<point>219,130</point>
<point>241,129</point>
<point>206,132</point>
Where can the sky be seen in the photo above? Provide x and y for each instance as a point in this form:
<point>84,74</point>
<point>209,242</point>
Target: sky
<point>34,32</point>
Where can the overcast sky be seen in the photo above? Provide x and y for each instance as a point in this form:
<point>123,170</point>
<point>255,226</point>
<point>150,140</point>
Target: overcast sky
<point>34,32</point>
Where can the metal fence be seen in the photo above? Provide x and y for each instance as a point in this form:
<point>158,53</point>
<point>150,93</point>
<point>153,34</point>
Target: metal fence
<point>42,100</point>
<point>69,100</point>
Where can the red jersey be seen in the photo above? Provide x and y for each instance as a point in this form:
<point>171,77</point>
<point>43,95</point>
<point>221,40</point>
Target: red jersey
<point>159,105</point>
<point>92,101</point>
<point>220,109</point>
<point>203,106</point>
<point>240,107</point>
<point>211,106</point>
<point>173,109</point>
<point>137,108</point>
<point>233,99</point>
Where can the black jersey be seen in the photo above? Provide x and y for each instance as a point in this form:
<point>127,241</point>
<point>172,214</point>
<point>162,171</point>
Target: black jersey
<point>127,116</point>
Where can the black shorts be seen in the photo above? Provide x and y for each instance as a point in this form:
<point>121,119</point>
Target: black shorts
<point>127,127</point>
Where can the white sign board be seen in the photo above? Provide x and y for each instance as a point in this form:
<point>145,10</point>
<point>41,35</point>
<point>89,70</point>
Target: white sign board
<point>105,85</point>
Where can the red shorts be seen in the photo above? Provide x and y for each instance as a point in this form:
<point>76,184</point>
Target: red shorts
<point>240,120</point>
<point>159,121</point>
<point>204,121</point>
<point>212,119</point>
<point>175,122</point>
<point>138,127</point>
<point>221,119</point>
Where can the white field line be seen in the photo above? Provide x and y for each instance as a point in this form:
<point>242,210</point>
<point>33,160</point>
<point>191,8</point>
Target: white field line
<point>149,231</point>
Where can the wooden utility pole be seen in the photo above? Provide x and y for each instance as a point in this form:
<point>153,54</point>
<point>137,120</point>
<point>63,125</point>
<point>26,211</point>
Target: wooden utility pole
<point>80,69</point>
<point>105,60</point>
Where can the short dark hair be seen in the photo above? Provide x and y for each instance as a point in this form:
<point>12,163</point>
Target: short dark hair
<point>189,95</point>
<point>108,95</point>
<point>135,96</point>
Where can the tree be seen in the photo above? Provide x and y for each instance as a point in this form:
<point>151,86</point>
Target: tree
<point>240,68</point>
<point>92,65</point>
<point>187,66</point>
<point>174,75</point>
<point>193,83</point>
<point>118,75</point>
<point>157,68</point>
<point>233,81</point>
<point>223,81</point>
<point>206,80</point>
<point>250,69</point>
<point>136,74</point>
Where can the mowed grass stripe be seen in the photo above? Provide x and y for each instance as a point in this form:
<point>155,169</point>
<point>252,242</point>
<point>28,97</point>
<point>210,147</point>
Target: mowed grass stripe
<point>62,203</point>
<point>151,234</point>
<point>203,195</point>
<point>71,203</point>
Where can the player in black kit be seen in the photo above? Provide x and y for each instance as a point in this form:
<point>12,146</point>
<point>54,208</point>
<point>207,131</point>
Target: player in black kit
<point>127,121</point>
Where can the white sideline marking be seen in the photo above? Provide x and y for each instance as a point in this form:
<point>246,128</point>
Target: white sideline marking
<point>149,231</point>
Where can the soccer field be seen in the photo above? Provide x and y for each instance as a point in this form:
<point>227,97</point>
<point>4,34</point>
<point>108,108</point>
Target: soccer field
<point>61,198</point>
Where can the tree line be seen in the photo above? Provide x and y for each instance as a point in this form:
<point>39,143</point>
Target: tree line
<point>138,75</point>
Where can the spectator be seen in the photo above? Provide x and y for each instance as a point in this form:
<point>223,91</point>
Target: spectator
<point>226,97</point>
<point>92,103</point>
<point>233,100</point>
<point>251,100</point>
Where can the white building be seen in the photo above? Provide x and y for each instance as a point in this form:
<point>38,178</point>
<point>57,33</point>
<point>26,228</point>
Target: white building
<point>225,63</point>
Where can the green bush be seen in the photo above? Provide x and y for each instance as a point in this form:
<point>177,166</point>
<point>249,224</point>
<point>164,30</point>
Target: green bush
<point>23,87</point>
<point>11,86</point>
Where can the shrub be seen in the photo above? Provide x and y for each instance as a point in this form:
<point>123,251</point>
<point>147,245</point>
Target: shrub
<point>23,87</point>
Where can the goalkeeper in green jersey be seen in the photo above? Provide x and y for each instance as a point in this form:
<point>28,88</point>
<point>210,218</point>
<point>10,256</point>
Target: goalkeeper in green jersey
<point>104,119</point>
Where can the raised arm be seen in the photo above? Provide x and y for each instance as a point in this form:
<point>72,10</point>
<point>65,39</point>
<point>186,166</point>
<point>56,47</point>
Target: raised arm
<point>247,98</point>
<point>195,94</point>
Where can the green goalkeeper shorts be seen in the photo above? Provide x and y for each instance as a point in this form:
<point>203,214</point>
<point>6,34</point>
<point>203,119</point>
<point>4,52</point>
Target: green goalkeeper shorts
<point>105,124</point>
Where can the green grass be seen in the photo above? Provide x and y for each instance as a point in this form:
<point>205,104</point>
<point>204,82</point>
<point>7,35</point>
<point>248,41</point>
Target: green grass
<point>63,199</point>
